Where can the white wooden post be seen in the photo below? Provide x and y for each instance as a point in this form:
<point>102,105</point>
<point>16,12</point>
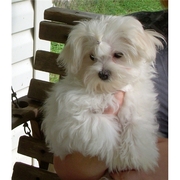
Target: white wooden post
<point>40,6</point>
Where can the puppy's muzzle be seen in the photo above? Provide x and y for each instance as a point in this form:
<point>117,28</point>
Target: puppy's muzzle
<point>104,74</point>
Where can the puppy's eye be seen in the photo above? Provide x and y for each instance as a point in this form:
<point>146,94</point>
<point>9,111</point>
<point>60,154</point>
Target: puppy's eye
<point>118,55</point>
<point>92,57</point>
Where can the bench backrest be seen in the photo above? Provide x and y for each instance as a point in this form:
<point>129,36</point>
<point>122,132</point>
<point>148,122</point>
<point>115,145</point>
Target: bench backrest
<point>56,27</point>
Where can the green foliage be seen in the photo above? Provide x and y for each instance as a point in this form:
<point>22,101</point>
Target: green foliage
<point>115,7</point>
<point>53,78</point>
<point>56,47</point>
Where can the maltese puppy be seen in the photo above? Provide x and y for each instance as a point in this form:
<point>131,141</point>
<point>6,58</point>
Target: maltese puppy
<point>101,57</point>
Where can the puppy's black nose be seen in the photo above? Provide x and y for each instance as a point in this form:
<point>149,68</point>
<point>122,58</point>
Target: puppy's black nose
<point>104,74</point>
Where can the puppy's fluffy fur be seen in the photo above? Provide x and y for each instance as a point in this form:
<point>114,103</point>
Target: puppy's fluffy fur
<point>101,57</point>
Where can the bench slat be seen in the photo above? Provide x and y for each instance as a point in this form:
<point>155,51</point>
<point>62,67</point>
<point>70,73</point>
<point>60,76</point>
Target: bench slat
<point>38,89</point>
<point>23,171</point>
<point>34,148</point>
<point>46,61</point>
<point>56,32</point>
<point>67,16</point>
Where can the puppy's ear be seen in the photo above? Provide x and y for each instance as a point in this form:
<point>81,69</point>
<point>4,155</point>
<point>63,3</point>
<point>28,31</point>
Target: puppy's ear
<point>152,42</point>
<point>71,56</point>
<point>143,43</point>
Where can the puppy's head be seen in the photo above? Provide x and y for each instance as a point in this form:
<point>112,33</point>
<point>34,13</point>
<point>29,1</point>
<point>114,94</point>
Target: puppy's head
<point>108,53</point>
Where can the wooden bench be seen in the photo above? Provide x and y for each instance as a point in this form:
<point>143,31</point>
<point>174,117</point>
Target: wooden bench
<point>56,27</point>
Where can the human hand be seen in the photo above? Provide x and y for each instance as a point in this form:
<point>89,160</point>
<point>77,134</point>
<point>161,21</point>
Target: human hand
<point>77,167</point>
<point>119,95</point>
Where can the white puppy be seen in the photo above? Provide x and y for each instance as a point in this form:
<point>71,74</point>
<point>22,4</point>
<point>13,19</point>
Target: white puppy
<point>101,57</point>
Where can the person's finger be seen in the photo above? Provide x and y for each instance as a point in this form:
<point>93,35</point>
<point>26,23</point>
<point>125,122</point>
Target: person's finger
<point>119,95</point>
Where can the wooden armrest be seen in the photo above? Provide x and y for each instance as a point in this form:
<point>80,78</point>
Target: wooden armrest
<point>28,111</point>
